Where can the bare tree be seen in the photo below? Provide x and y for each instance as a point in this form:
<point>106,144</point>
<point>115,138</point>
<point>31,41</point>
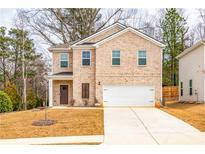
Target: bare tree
<point>199,28</point>
<point>64,25</point>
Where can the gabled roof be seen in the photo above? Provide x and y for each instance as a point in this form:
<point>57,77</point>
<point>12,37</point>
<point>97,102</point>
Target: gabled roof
<point>84,43</point>
<point>97,33</point>
<point>132,30</point>
<point>188,50</point>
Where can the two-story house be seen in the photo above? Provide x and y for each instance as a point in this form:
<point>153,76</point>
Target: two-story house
<point>192,73</point>
<point>117,66</point>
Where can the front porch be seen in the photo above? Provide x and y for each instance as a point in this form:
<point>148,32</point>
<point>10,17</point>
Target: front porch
<point>61,89</point>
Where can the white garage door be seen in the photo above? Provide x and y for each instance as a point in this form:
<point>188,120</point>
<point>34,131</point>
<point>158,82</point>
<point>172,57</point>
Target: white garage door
<point>128,95</point>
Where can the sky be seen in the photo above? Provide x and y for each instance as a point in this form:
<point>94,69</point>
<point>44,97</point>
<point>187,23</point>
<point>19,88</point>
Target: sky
<point>7,16</point>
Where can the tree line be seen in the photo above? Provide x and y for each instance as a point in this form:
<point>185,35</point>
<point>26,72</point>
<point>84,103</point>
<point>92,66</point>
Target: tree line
<point>17,48</point>
<point>66,25</point>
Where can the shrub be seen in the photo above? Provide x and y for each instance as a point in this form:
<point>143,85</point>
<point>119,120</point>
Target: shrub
<point>72,102</point>
<point>39,102</point>
<point>31,100</point>
<point>13,94</point>
<point>5,102</point>
<point>86,102</point>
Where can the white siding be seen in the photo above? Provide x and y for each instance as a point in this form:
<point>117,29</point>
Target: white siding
<point>191,67</point>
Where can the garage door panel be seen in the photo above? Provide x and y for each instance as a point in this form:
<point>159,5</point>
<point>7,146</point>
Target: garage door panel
<point>128,95</point>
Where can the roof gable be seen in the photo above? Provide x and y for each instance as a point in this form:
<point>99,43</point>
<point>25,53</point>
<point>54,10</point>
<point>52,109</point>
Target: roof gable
<point>158,43</point>
<point>98,33</point>
<point>188,50</point>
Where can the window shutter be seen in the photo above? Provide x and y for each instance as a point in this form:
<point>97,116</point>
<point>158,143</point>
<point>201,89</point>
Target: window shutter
<point>85,90</point>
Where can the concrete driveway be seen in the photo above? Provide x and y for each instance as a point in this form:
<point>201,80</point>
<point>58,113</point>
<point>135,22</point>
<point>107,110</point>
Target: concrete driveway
<point>147,126</point>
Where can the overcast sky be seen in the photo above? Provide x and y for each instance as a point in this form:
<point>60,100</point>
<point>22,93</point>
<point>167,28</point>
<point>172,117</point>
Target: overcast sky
<point>7,16</point>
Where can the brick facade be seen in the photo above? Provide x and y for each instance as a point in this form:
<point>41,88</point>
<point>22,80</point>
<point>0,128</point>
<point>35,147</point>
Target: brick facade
<point>128,73</point>
<point>101,72</point>
<point>56,62</point>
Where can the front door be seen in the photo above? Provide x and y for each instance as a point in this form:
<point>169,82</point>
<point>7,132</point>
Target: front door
<point>63,94</point>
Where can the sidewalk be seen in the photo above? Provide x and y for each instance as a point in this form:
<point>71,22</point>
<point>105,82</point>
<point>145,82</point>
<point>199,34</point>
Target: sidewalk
<point>54,140</point>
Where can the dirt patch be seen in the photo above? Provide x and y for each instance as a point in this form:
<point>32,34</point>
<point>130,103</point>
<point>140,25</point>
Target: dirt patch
<point>192,113</point>
<point>70,122</point>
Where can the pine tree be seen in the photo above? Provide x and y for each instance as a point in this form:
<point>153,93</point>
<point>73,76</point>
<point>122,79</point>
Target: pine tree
<point>174,36</point>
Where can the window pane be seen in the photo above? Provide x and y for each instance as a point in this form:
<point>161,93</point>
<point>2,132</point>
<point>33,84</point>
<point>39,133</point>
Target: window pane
<point>86,61</point>
<point>142,54</point>
<point>116,54</point>
<point>181,84</point>
<point>115,61</point>
<point>181,92</point>
<point>64,63</point>
<point>190,83</point>
<point>64,56</point>
<point>86,54</point>
<point>190,91</point>
<point>142,61</point>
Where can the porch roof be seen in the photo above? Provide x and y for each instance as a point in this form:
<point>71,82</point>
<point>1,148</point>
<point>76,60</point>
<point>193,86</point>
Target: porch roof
<point>61,76</point>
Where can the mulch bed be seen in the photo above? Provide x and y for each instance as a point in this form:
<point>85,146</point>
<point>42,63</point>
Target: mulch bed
<point>47,122</point>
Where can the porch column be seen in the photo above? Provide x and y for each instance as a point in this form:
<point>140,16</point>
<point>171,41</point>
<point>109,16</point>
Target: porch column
<point>50,92</point>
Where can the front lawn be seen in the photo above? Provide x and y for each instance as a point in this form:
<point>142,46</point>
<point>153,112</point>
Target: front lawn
<point>69,122</point>
<point>194,114</point>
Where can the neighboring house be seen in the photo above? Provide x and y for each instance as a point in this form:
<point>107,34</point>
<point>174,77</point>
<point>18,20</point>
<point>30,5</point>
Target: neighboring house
<point>192,73</point>
<point>117,66</point>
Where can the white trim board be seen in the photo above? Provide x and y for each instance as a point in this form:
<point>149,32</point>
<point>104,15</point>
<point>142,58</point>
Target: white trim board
<point>60,77</point>
<point>191,49</point>
<point>59,49</point>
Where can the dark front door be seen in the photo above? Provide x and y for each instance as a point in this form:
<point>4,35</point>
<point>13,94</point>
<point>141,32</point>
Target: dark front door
<point>63,94</point>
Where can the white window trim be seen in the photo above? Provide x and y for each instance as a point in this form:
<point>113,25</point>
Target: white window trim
<point>64,60</point>
<point>85,58</point>
<point>115,57</point>
<point>141,57</point>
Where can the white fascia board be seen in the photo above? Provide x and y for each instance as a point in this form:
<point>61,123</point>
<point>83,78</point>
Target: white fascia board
<point>83,47</point>
<point>132,30</point>
<point>96,34</point>
<point>59,77</point>
<point>190,49</point>
<point>58,49</point>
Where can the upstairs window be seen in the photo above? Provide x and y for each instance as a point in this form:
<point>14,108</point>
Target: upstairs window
<point>64,60</point>
<point>181,88</point>
<point>190,88</point>
<point>115,58</point>
<point>142,58</point>
<point>86,58</point>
